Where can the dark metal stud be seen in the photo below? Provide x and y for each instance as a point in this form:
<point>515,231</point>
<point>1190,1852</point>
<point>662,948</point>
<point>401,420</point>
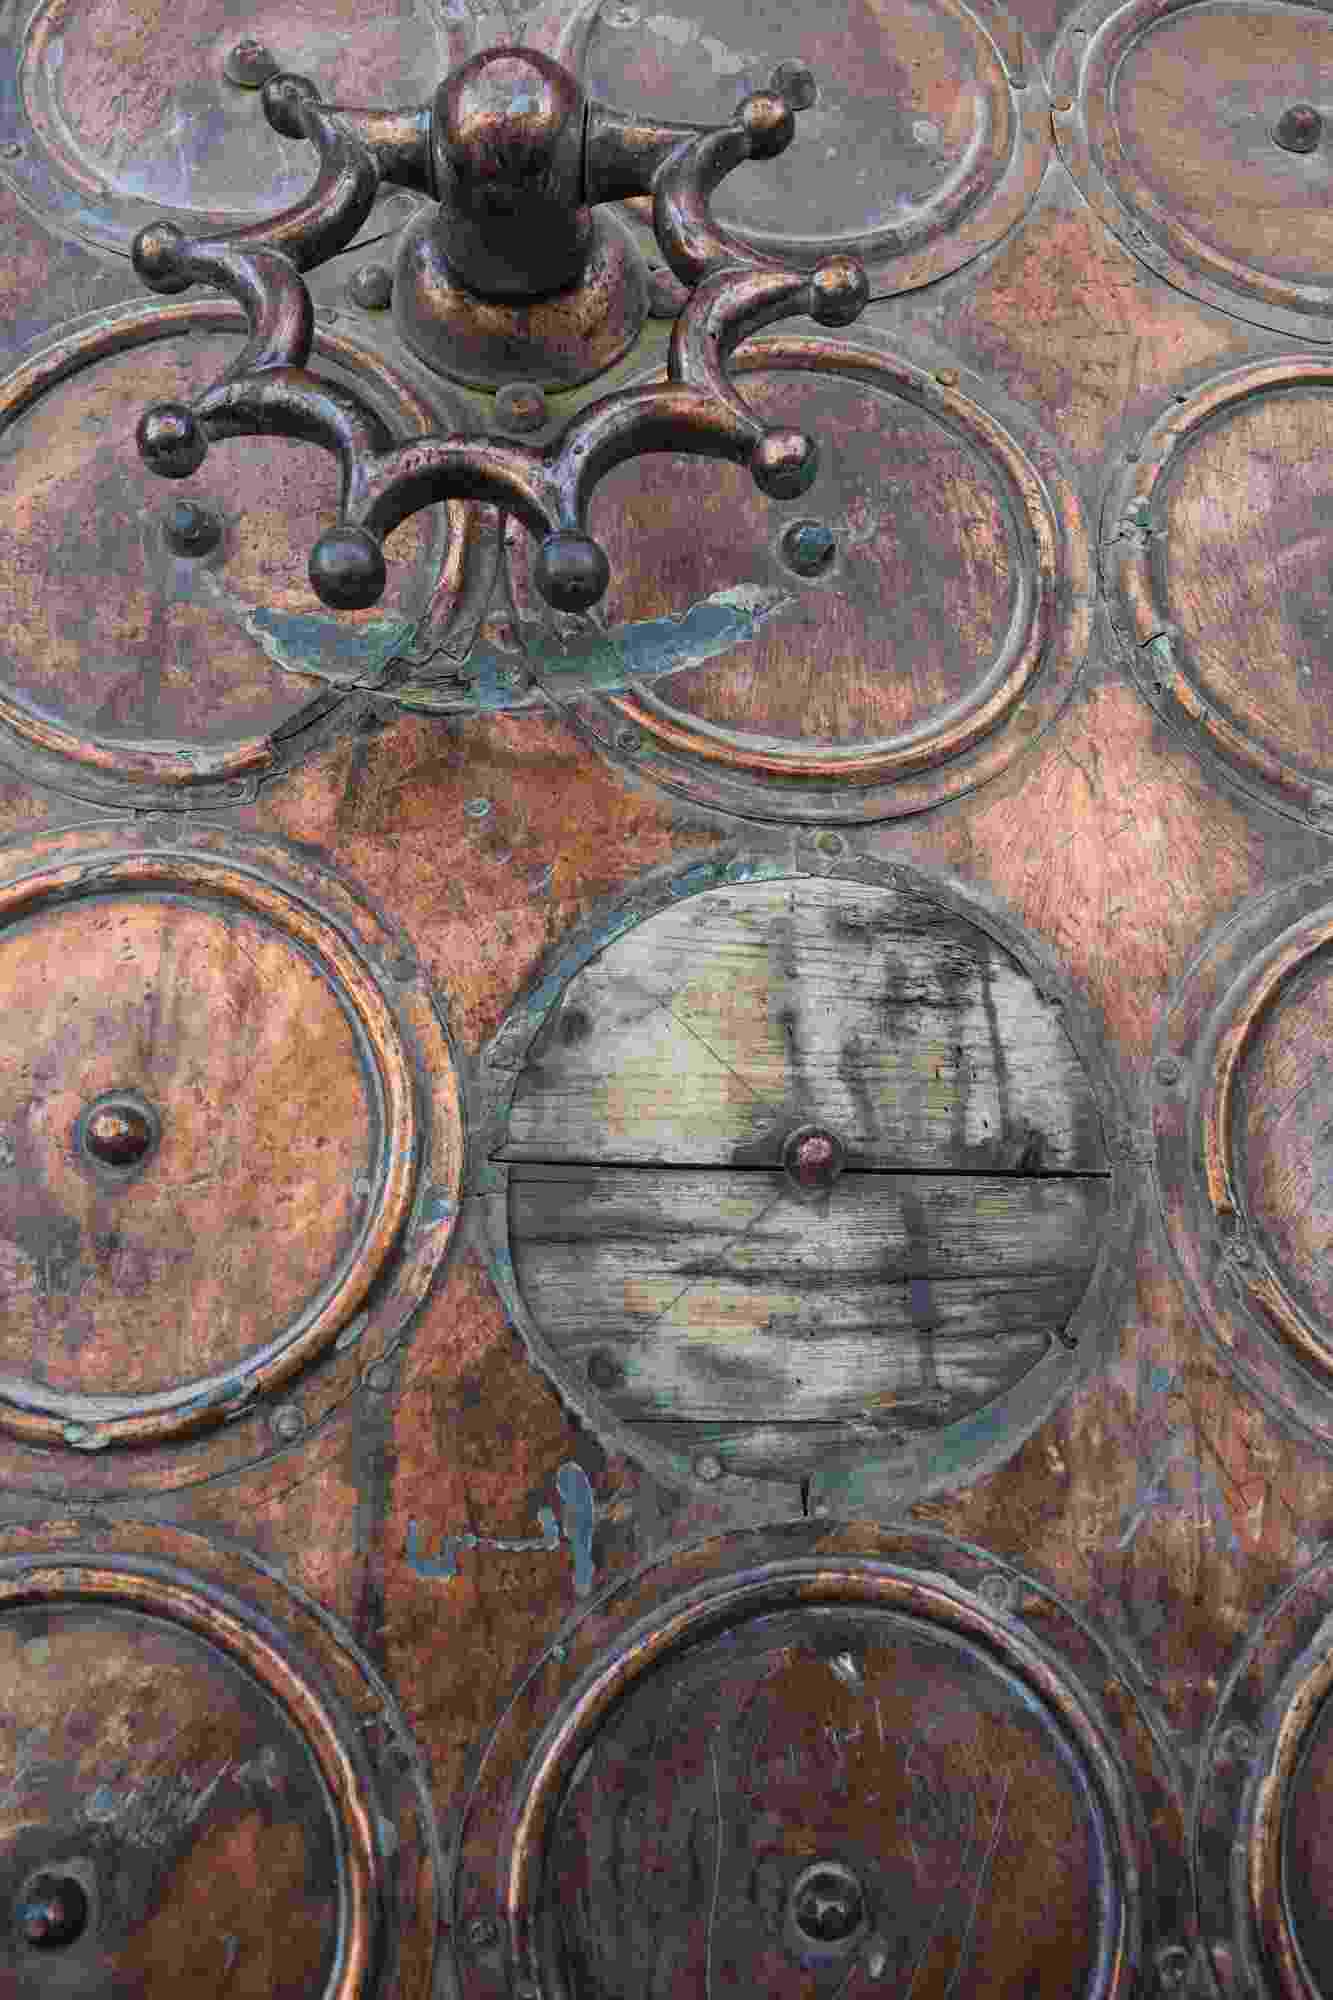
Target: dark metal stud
<point>371,287</point>
<point>827,1905</point>
<point>249,65</point>
<point>118,1132</point>
<point>520,407</point>
<point>808,547</point>
<point>190,530</point>
<point>52,1912</point>
<point>1299,129</point>
<point>813,1158</point>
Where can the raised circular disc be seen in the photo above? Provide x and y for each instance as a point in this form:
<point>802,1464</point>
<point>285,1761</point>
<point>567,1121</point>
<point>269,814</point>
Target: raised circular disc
<point>656,1246</point>
<point>917,659</point>
<point>914,155</point>
<point>127,117</point>
<point>1178,112</point>
<point>153,684</point>
<point>1234,559</point>
<point>880,1742</point>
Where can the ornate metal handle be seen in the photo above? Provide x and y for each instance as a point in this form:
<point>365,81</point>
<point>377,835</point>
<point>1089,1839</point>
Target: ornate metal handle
<point>516,157</point>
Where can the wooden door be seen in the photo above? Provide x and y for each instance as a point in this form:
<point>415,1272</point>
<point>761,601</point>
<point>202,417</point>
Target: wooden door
<point>664,1307</point>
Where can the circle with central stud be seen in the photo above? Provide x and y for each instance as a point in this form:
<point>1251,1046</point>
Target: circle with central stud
<point>190,1806</point>
<point>1190,144</point>
<point>862,645</point>
<point>796,1173</point>
<point>813,1761</point>
<point>213,1136</point>
<point>121,126</point>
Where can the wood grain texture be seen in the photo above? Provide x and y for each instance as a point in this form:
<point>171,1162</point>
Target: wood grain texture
<point>702,1036</point>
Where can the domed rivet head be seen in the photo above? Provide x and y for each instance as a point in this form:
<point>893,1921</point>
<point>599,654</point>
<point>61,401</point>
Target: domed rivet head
<point>1236,1744</point>
<point>480,1933</point>
<point>1167,1070</point>
<point>839,291</point>
<point>347,569</point>
<point>51,1912</point>
<point>830,843</point>
<point>785,464</point>
<point>118,1132</point>
<point>477,808</point>
<point>249,65</point>
<point>190,530</point>
<point>380,1377</point>
<point>808,547</point>
<point>794,81</point>
<point>827,1905</point>
<point>768,122</point>
<point>628,738</point>
<point>1173,1964</point>
<point>604,1371</point>
<point>11,150</point>
<point>812,1159</point>
<point>708,1467</point>
<point>1299,129</point>
<point>998,1590</point>
<point>520,407</point>
<point>288,1422</point>
<point>371,287</point>
<point>571,571</point>
<point>170,440</point>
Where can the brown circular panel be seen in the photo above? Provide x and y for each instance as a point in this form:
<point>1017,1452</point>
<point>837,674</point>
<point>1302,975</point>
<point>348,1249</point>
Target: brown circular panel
<point>209,1138</point>
<point>124,117</point>
<point>158,682</point>
<point>1307,1853</point>
<point>182,1811</point>
<point>1224,561</point>
<point>1244,1156</point>
<point>1184,137</point>
<point>916,153</point>
<point>803,1174</point>
<point>816,1775</point>
<point>904,628</point>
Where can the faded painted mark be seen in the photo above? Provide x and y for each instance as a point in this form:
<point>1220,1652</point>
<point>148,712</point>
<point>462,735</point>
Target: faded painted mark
<point>578,1519</point>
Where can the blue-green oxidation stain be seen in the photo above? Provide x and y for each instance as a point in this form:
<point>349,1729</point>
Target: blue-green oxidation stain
<point>347,655</point>
<point>578,1511</point>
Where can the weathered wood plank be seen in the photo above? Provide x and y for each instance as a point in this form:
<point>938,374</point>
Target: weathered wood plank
<point>705,1033</point>
<point>721,1296</point>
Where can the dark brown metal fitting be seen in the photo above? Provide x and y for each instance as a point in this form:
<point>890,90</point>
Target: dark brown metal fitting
<point>51,1912</point>
<point>371,287</point>
<point>118,1132</point>
<point>826,1910</point>
<point>249,65</point>
<point>1299,129</point>
<point>190,530</point>
<point>813,1159</point>
<point>512,274</point>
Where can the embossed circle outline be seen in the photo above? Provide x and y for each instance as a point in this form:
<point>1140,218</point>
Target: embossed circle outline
<point>1260,1727</point>
<point>636,1620</point>
<point>1166,677</point>
<point>870,1479</point>
<point>988,203</point>
<point>1094,41</point>
<point>1241,1300</point>
<point>39,745</point>
<point>339,937</point>
<point>973,740</point>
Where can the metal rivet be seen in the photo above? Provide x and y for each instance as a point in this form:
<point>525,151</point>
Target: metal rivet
<point>11,150</point>
<point>371,287</point>
<point>708,1466</point>
<point>1299,129</point>
<point>999,1591</point>
<point>287,1422</point>
<point>190,530</point>
<point>1173,1964</point>
<point>813,1158</point>
<point>1237,1743</point>
<point>830,843</point>
<point>520,406</point>
<point>380,1376</point>
<point>794,81</point>
<point>248,64</point>
<point>52,1911</point>
<point>481,1933</point>
<point>808,547</point>
<point>628,737</point>
<point>827,1905</point>
<point>1239,1250</point>
<point>1167,1070</point>
<point>476,808</point>
<point>118,1135</point>
<point>604,1371</point>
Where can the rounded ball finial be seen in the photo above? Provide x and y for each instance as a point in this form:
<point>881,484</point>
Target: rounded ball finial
<point>156,256</point>
<point>839,291</point>
<point>171,442</point>
<point>785,464</point>
<point>571,571</point>
<point>347,569</point>
<point>769,123</point>
<point>280,97</point>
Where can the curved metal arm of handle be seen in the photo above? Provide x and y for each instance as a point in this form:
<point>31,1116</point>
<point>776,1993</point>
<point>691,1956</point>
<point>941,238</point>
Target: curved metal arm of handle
<point>269,390</point>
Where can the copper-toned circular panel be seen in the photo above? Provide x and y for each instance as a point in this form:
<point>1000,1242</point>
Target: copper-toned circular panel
<point>804,1170</point>
<point>209,1138</point>
<point>1200,132</point>
<point>1223,561</point>
<point>918,150</point>
<point>123,117</point>
<point>1307,1852</point>
<point>177,678</point>
<point>902,631</point>
<point>1243,1152</point>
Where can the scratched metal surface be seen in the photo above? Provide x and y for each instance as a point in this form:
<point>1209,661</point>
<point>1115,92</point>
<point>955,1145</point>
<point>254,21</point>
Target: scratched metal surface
<point>1046,1716</point>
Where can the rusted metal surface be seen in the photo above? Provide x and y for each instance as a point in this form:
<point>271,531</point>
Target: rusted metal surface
<point>195,1793</point>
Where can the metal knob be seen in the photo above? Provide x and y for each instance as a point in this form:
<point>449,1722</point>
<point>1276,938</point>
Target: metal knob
<point>516,159</point>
